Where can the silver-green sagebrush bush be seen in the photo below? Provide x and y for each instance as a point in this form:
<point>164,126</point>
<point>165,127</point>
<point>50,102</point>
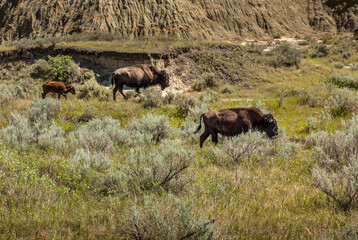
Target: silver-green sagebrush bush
<point>15,89</point>
<point>117,180</point>
<point>242,149</point>
<point>336,172</point>
<point>155,128</point>
<point>52,137</point>
<point>284,55</point>
<point>310,97</point>
<point>167,218</point>
<point>43,109</point>
<point>91,89</point>
<point>84,160</point>
<point>343,80</point>
<point>18,133</point>
<point>99,135</point>
<point>7,93</point>
<point>89,113</point>
<point>343,102</point>
<point>151,98</point>
<point>35,127</point>
<point>164,168</point>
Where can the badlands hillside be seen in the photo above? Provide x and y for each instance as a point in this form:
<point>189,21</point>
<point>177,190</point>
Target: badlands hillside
<point>173,18</point>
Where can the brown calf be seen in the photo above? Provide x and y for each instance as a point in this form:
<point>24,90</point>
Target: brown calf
<point>60,88</point>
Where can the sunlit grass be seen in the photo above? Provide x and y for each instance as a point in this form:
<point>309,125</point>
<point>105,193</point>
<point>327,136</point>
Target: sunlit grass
<point>150,45</point>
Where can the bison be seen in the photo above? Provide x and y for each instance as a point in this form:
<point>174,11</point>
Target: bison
<point>138,76</point>
<point>60,88</point>
<point>234,121</point>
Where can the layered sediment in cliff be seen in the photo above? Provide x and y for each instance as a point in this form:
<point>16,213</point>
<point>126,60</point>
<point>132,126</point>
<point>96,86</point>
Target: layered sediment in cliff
<point>178,19</point>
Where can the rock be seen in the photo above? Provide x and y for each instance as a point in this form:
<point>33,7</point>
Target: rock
<point>210,19</point>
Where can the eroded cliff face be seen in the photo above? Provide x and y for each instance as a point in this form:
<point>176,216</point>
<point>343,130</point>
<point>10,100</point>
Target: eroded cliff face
<point>174,18</point>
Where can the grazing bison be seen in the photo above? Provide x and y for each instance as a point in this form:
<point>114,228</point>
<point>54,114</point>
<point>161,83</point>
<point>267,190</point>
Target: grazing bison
<point>138,76</point>
<point>233,121</point>
<point>60,88</point>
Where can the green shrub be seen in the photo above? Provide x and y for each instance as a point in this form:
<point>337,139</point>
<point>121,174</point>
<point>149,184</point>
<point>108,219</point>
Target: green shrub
<point>167,218</point>
<point>117,181</point>
<point>43,110</point>
<point>283,55</point>
<point>162,168</point>
<point>63,68</point>
<point>98,136</point>
<point>7,93</point>
<point>35,127</point>
<point>242,149</point>
<point>327,39</point>
<point>84,160</point>
<point>314,123</point>
<point>338,65</point>
<point>336,173</point>
<point>154,127</point>
<point>342,102</point>
<point>354,66</point>
<point>207,81</point>
<point>209,96</point>
<point>41,69</point>
<point>52,137</point>
<point>89,113</point>
<point>303,43</point>
<point>91,89</point>
<point>151,97</point>
<point>18,134</point>
<point>343,80</point>
<point>318,51</point>
<point>199,85</point>
<point>86,75</point>
<point>227,89</point>
<point>344,49</point>
<point>210,80</point>
<point>183,103</point>
<point>310,97</point>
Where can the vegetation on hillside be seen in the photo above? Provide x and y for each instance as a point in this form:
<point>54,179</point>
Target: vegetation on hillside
<point>88,167</point>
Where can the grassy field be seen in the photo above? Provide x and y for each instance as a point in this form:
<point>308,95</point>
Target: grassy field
<point>91,168</point>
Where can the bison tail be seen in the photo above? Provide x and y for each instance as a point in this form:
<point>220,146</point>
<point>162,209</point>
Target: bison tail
<point>198,129</point>
<point>112,80</point>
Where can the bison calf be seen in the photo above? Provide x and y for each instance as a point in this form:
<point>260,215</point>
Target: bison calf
<point>234,121</point>
<point>60,88</point>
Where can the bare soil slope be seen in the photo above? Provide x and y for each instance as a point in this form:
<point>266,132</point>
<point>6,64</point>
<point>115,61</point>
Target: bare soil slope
<point>180,19</point>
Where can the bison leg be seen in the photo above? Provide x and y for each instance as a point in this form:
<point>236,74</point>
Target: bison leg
<point>120,88</point>
<point>137,90</point>
<point>44,95</point>
<point>59,96</point>
<point>115,89</point>
<point>203,137</point>
<point>214,137</point>
<point>64,95</point>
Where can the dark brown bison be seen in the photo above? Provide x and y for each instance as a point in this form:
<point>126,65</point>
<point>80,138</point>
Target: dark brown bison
<point>138,76</point>
<point>234,121</point>
<point>60,88</point>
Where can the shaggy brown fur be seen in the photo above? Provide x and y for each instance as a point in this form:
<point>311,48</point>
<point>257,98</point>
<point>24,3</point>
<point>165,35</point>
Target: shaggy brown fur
<point>234,121</point>
<point>60,88</point>
<point>138,76</point>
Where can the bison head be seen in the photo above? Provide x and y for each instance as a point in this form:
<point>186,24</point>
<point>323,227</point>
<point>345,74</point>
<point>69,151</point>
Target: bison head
<point>71,90</point>
<point>163,78</point>
<point>270,125</point>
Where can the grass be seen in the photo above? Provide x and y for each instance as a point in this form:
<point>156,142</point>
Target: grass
<point>112,42</point>
<point>43,196</point>
<point>6,48</point>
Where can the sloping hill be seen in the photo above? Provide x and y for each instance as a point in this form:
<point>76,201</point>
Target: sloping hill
<point>180,19</point>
